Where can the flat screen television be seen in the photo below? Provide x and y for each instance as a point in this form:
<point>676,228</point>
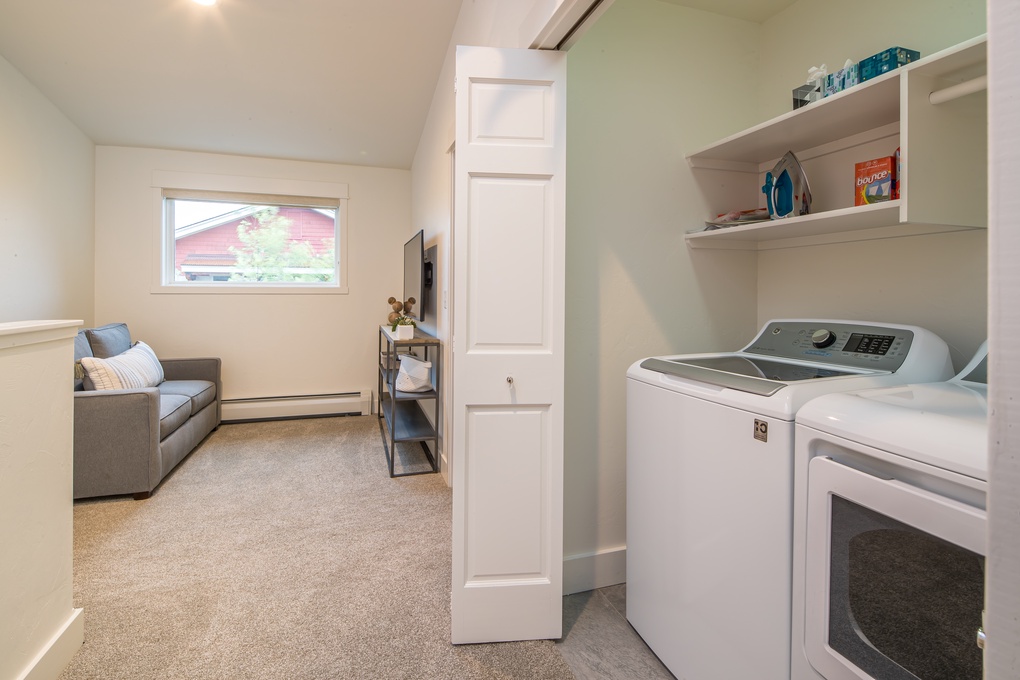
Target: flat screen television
<point>414,274</point>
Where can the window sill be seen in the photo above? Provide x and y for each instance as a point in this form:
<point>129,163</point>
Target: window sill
<point>260,289</point>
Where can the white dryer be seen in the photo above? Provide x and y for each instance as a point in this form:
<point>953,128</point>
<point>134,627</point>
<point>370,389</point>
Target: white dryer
<point>889,532</point>
<point>710,484</point>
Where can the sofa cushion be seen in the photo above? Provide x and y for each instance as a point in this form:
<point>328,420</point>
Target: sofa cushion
<point>137,367</point>
<point>109,340</point>
<point>201,392</point>
<point>174,411</point>
<point>81,350</point>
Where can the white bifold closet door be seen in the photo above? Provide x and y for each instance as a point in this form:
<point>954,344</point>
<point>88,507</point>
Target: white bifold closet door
<point>508,304</point>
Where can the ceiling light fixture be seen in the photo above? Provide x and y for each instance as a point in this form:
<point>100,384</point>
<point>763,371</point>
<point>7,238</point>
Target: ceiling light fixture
<point>207,3</point>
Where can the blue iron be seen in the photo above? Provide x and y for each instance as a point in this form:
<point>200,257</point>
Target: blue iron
<point>786,189</point>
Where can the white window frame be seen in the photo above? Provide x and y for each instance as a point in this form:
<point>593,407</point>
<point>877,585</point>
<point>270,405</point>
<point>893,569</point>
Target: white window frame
<point>163,250</point>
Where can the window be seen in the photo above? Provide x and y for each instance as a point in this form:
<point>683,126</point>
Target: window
<point>248,242</point>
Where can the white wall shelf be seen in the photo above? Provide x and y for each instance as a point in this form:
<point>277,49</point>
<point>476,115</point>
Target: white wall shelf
<point>943,158</point>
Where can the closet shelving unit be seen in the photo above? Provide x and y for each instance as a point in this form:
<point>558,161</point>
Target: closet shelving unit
<point>934,110</point>
<point>402,413</point>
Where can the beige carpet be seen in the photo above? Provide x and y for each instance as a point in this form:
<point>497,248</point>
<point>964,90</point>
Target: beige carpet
<point>280,550</point>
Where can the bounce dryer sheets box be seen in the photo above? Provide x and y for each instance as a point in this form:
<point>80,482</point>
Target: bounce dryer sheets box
<point>875,181</point>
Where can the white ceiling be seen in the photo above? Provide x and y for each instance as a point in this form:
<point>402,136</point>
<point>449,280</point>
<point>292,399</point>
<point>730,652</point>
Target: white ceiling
<point>344,81</point>
<point>341,81</point>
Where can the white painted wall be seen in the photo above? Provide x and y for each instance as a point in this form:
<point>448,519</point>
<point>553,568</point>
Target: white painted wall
<point>826,32</point>
<point>636,103</point>
<point>46,207</point>
<point>271,345</point>
<point>938,282</point>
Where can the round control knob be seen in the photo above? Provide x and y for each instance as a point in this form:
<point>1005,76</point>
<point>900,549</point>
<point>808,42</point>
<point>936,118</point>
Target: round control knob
<point>823,338</point>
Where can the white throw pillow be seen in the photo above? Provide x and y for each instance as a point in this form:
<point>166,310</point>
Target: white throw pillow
<point>136,367</point>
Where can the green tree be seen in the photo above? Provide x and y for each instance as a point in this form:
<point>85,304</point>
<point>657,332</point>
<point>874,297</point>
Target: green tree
<point>319,267</point>
<point>268,255</point>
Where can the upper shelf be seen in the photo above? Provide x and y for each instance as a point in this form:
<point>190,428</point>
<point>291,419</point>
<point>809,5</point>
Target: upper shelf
<point>859,109</point>
<point>875,109</point>
<point>853,111</point>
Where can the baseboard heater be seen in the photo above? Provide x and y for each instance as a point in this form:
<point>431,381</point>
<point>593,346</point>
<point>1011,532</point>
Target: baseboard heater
<point>301,406</point>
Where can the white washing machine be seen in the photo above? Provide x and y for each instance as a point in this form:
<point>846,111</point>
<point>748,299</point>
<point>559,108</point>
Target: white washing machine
<point>889,532</point>
<point>710,484</point>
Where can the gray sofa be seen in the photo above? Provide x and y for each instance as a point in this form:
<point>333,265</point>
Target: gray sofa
<point>127,440</point>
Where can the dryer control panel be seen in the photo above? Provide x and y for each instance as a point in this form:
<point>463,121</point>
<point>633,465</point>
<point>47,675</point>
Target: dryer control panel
<point>864,346</point>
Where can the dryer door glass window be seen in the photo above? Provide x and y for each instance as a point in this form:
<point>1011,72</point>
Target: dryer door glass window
<point>903,604</point>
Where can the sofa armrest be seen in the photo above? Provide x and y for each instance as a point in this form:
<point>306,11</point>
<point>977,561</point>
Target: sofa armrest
<point>202,368</point>
<point>116,442</point>
<point>199,368</point>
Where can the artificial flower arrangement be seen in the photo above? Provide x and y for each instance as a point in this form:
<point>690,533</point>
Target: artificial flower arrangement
<point>403,321</point>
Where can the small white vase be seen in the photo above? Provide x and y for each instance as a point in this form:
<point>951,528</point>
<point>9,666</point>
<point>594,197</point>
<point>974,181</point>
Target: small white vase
<point>405,332</point>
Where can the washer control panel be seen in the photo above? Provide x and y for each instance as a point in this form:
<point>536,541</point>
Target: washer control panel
<point>835,342</point>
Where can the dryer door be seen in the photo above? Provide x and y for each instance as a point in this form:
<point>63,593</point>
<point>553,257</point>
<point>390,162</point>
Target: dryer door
<point>894,578</point>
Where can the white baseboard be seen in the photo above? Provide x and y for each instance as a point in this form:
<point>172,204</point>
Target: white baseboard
<point>57,653</point>
<point>267,408</point>
<point>594,570</point>
<point>444,469</point>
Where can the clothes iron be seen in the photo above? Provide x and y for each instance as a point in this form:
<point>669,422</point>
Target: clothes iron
<point>786,189</point>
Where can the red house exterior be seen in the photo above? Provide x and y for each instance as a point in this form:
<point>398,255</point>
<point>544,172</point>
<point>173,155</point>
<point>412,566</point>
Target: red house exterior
<point>204,253</point>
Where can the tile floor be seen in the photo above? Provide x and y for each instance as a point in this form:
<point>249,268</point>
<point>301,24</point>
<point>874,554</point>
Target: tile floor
<point>599,644</point>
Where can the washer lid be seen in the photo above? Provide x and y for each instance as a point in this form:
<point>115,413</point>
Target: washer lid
<point>743,372</point>
<point>941,424</point>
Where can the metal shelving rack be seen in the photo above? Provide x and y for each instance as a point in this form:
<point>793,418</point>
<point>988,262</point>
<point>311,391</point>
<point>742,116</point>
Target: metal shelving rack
<point>401,414</point>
